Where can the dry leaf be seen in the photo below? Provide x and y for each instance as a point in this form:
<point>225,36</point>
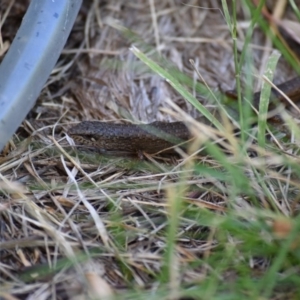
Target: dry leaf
<point>282,227</point>
<point>292,28</point>
<point>99,287</point>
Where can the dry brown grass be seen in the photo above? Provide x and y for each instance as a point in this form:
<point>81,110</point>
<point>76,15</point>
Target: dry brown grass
<point>76,224</point>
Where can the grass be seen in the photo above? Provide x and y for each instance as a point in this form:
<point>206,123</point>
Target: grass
<point>221,223</point>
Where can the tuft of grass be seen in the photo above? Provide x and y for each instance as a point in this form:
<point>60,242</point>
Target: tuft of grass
<point>220,223</point>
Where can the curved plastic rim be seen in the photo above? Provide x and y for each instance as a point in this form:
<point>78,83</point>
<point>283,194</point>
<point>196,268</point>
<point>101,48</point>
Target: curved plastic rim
<point>31,58</point>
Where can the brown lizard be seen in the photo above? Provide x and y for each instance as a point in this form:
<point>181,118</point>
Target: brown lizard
<point>124,139</point>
